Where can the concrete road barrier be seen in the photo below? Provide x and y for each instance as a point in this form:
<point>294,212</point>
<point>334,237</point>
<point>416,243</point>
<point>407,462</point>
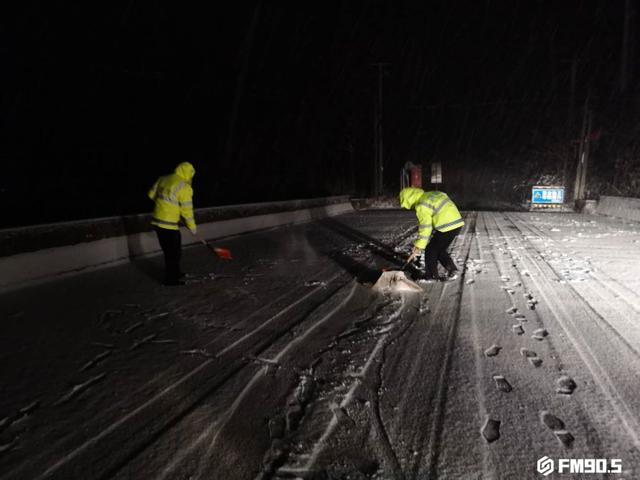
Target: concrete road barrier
<point>55,259</point>
<point>623,207</point>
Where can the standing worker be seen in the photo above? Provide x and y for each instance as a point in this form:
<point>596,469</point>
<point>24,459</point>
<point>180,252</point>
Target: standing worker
<point>173,197</point>
<point>439,221</point>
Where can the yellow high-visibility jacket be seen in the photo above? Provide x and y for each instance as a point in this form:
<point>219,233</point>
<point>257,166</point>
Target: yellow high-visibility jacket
<point>173,197</point>
<point>434,210</point>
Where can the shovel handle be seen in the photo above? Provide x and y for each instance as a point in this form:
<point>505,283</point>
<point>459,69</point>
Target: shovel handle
<point>411,257</point>
<point>202,240</point>
<point>220,252</point>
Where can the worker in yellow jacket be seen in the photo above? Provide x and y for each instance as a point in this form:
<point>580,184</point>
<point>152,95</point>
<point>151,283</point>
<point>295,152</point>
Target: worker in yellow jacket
<point>173,197</point>
<point>439,221</point>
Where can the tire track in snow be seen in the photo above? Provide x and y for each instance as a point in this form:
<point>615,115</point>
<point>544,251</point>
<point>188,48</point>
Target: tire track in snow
<point>479,400</point>
<point>273,318</point>
<point>432,438</point>
<point>388,453</point>
<point>437,423</point>
<point>631,297</point>
<point>159,396</point>
<point>416,364</point>
<point>245,361</point>
<point>594,311</point>
<point>612,303</point>
<point>487,468</point>
<point>290,293</point>
<point>536,390</point>
<point>526,281</point>
<point>57,448</point>
<point>575,334</point>
<point>212,432</point>
<point>321,444</point>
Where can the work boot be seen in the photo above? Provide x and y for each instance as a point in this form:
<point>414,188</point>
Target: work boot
<point>452,274</point>
<point>432,278</point>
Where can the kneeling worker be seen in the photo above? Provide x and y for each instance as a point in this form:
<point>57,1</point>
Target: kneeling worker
<point>439,222</point>
<point>173,197</point>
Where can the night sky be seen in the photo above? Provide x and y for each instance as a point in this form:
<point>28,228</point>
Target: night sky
<point>275,100</point>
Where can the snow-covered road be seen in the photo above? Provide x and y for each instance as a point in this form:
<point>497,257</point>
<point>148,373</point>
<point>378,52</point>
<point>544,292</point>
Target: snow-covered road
<point>283,363</point>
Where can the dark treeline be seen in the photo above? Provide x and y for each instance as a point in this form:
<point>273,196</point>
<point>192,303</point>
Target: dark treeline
<point>275,100</point>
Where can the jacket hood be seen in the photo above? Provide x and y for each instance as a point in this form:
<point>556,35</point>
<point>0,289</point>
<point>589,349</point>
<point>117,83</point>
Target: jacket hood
<point>410,196</point>
<point>185,170</point>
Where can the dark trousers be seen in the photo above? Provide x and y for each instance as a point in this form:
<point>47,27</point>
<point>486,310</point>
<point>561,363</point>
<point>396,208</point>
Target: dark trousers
<point>436,251</point>
<point>171,244</point>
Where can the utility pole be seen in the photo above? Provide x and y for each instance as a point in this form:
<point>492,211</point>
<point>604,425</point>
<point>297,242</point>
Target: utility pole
<point>378,162</point>
<point>570,121</point>
<point>583,153</point>
<point>587,152</point>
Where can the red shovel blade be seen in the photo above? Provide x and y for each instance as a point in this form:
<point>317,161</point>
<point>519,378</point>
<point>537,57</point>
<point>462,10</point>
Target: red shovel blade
<point>223,253</point>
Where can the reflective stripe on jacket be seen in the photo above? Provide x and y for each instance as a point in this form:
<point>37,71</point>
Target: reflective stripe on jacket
<point>173,197</point>
<point>434,210</point>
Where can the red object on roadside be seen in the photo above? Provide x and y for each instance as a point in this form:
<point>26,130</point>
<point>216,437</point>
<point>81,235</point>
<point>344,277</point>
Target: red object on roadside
<point>416,176</point>
<point>223,253</point>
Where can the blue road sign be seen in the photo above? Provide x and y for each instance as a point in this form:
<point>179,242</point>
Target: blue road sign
<point>547,195</point>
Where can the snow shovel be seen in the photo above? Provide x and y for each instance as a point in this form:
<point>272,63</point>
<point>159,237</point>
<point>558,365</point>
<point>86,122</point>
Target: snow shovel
<point>223,253</point>
<point>396,281</point>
